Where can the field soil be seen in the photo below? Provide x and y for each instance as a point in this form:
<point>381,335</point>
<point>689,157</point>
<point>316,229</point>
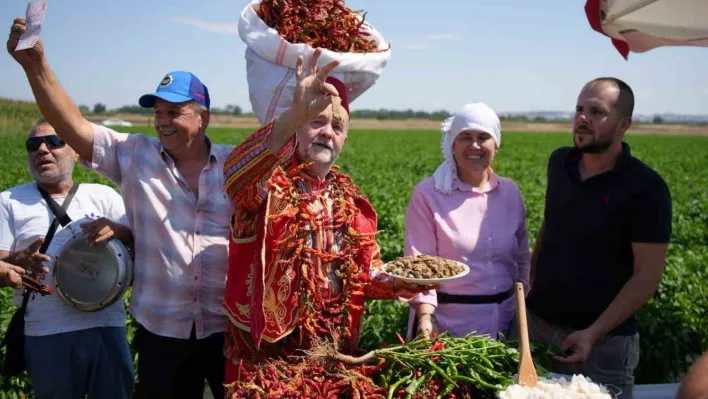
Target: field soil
<point>229,121</point>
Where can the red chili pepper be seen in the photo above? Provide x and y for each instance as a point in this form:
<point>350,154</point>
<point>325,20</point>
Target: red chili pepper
<point>328,24</point>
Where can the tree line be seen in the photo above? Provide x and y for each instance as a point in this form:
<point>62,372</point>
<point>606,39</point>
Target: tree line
<point>383,114</point>
<point>100,108</point>
<point>380,114</point>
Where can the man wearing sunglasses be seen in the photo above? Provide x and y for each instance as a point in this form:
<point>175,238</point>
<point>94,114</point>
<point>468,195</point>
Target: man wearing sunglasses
<point>53,142</point>
<point>173,190</point>
<point>68,353</point>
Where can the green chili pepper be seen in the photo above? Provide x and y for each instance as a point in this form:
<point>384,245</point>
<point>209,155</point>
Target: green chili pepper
<point>447,390</point>
<point>440,372</point>
<point>395,386</point>
<point>413,386</point>
<point>477,379</point>
<point>452,369</point>
<point>487,362</point>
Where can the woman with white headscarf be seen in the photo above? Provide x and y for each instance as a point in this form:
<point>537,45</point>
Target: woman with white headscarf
<point>468,213</point>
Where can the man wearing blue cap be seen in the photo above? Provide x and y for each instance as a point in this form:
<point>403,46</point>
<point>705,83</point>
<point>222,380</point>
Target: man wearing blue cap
<point>173,190</point>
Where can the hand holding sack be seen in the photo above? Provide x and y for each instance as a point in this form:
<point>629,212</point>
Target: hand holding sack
<point>271,60</point>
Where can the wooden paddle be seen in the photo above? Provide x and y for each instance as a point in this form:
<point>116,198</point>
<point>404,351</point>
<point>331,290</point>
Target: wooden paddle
<point>527,372</point>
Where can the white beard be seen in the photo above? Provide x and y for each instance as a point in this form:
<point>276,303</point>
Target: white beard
<point>320,154</point>
<point>65,169</point>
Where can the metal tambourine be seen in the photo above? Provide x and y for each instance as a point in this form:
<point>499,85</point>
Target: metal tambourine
<point>90,278</point>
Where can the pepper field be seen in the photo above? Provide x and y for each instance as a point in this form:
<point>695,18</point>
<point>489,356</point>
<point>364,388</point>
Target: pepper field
<point>387,164</point>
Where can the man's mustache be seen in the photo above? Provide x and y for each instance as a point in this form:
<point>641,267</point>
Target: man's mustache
<point>583,129</point>
<point>325,143</point>
<point>44,159</point>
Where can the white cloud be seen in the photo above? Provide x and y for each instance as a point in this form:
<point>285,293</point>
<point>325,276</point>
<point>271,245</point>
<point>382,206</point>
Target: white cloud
<point>206,25</point>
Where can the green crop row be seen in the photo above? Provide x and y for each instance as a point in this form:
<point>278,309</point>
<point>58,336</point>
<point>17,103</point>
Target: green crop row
<point>388,165</point>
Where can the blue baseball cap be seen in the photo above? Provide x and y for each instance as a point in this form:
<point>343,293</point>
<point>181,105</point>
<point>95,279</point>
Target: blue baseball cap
<point>178,87</point>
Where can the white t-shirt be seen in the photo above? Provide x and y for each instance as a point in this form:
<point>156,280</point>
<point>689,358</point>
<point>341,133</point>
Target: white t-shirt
<point>25,216</point>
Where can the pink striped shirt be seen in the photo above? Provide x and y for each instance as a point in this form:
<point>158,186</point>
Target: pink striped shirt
<point>484,228</point>
<point>181,240</point>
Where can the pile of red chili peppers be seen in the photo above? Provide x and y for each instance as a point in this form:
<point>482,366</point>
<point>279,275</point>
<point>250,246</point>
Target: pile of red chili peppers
<point>306,379</point>
<point>328,24</point>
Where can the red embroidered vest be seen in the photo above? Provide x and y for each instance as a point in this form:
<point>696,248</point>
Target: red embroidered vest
<point>264,286</point>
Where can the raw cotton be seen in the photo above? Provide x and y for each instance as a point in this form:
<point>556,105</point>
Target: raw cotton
<point>579,387</point>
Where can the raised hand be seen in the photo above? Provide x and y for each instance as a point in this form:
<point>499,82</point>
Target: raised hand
<point>27,58</point>
<point>311,96</point>
<point>312,93</point>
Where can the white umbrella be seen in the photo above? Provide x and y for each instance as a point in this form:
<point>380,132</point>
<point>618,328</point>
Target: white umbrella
<point>641,25</point>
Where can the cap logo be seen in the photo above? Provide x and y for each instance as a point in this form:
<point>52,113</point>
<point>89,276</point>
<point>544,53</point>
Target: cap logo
<point>166,81</point>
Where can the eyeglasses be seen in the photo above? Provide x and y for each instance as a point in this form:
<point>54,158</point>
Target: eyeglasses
<point>53,142</point>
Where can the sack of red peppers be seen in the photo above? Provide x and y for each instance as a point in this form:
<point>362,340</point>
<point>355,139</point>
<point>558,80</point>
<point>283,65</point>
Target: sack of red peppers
<point>276,32</point>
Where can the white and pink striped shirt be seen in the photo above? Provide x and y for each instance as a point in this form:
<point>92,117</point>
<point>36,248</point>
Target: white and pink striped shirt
<point>181,240</point>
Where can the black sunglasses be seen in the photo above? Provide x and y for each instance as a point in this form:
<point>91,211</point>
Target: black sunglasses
<point>53,142</point>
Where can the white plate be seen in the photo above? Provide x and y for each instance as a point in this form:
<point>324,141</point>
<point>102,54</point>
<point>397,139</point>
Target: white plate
<point>428,281</point>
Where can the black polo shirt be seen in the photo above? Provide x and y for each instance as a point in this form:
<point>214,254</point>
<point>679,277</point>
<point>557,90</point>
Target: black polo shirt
<point>586,253</point>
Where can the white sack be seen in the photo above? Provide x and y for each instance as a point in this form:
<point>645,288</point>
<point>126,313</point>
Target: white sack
<point>271,61</point>
<point>642,25</point>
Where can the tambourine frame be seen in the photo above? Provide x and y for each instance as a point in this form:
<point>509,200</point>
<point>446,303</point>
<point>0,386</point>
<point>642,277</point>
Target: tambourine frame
<point>123,279</point>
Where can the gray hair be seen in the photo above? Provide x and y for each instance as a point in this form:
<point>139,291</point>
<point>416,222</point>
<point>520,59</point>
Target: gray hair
<point>65,163</point>
<point>39,122</point>
<point>198,108</point>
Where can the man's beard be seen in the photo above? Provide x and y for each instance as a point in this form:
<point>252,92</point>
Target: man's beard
<point>53,179</point>
<point>65,170</point>
<point>320,154</point>
<point>594,145</point>
<point>320,151</point>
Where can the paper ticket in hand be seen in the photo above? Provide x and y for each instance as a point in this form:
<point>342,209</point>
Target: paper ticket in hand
<point>34,18</point>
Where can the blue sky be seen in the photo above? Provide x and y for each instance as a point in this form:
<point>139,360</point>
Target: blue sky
<point>515,55</point>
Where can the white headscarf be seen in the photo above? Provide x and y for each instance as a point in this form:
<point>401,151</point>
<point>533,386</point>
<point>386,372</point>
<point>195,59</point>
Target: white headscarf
<point>475,116</point>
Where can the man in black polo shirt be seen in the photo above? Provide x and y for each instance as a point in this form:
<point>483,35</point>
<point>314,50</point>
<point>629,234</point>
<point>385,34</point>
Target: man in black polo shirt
<point>602,245</point>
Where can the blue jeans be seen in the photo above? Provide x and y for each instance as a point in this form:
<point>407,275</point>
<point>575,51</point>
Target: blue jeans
<point>94,362</point>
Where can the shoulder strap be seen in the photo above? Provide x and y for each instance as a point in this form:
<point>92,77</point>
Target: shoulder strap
<point>60,217</point>
<point>59,213</point>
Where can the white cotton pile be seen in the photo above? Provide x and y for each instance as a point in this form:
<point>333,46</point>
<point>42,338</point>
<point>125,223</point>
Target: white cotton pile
<point>578,387</point>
